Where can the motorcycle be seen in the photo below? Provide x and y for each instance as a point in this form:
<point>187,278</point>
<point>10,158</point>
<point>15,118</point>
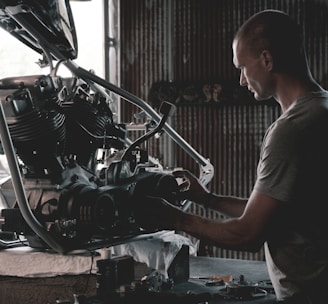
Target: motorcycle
<point>58,134</point>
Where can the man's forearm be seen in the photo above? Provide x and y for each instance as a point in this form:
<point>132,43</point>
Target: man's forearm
<point>228,205</point>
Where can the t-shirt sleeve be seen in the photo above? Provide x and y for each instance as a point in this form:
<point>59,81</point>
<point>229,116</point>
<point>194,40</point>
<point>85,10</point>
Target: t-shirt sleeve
<point>279,162</point>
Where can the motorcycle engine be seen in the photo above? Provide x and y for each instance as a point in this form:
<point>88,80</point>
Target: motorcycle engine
<point>58,127</point>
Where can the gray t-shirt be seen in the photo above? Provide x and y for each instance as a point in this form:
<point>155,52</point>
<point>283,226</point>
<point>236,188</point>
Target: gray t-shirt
<point>293,168</point>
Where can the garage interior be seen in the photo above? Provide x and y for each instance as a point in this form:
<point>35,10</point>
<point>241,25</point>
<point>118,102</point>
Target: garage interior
<point>177,51</point>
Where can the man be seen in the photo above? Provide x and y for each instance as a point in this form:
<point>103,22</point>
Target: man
<point>286,208</point>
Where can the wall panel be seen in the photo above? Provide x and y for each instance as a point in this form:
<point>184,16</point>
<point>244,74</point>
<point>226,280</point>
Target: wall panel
<point>189,41</point>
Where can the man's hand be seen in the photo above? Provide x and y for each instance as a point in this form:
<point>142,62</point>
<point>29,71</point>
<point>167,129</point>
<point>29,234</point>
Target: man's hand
<point>190,188</point>
<point>153,213</point>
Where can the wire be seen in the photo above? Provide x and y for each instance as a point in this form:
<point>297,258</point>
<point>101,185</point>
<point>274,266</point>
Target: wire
<point>93,254</point>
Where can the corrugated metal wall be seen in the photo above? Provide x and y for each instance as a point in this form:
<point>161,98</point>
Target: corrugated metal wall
<point>230,136</point>
<point>189,41</point>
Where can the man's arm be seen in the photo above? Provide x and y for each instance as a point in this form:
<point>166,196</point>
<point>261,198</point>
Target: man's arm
<point>245,232</point>
<point>228,205</point>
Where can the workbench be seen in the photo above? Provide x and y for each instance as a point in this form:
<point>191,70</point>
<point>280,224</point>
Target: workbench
<point>206,267</point>
<point>47,290</point>
<point>29,275</point>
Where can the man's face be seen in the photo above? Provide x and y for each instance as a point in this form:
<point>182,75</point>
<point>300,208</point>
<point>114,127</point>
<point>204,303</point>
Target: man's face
<point>254,71</point>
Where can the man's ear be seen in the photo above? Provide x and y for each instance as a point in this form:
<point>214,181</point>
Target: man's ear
<point>267,59</point>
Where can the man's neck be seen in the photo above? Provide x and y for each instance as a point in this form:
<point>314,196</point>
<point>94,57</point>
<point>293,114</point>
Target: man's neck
<point>290,88</point>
